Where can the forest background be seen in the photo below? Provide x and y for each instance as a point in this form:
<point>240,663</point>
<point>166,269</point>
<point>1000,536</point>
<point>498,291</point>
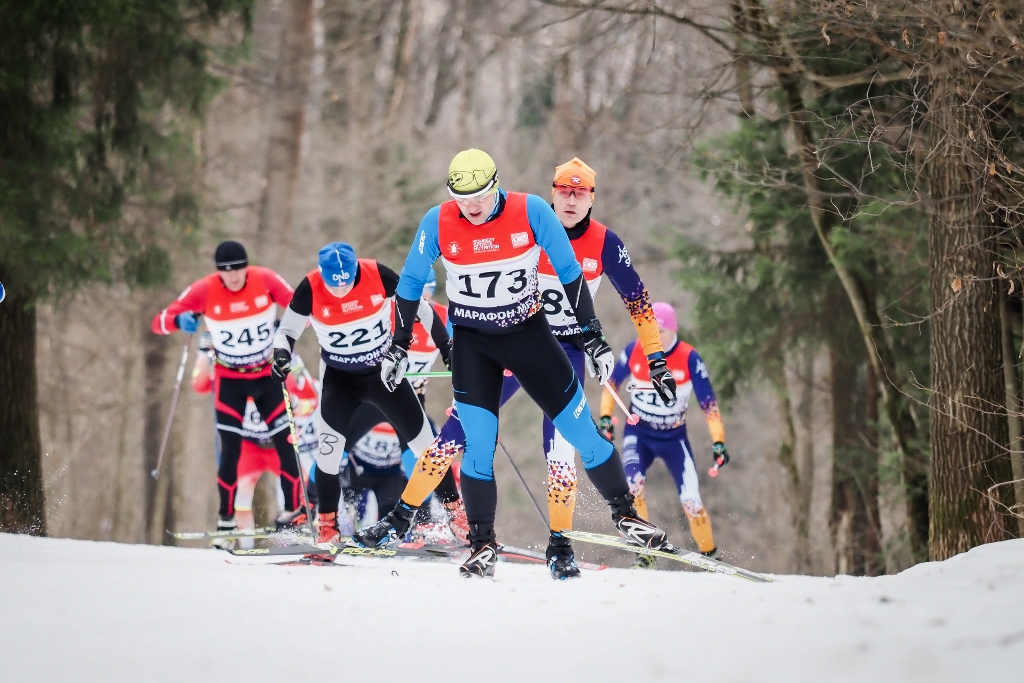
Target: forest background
<point>827,191</point>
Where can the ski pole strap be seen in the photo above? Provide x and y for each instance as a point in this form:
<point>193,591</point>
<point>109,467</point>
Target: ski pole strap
<point>415,375</point>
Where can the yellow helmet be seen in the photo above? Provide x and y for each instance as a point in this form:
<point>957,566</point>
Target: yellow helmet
<point>472,173</point>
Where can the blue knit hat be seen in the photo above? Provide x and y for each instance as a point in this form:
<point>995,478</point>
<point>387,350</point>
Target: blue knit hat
<point>338,265</point>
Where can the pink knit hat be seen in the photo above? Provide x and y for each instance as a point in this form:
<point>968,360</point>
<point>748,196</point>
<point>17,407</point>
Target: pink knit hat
<point>665,315</point>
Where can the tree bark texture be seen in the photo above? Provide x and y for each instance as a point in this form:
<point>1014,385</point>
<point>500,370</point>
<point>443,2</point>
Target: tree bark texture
<point>22,502</point>
<point>805,447</point>
<point>290,96</point>
<point>1013,405</point>
<point>854,519</point>
<point>859,293</point>
<point>969,435</point>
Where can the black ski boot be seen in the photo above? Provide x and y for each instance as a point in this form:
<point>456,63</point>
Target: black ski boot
<point>713,554</point>
<point>635,529</point>
<point>292,520</point>
<point>561,562</point>
<point>485,552</point>
<point>389,531</point>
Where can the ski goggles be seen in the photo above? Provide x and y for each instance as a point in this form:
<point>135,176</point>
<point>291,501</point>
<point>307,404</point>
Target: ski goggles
<point>489,186</point>
<point>566,191</point>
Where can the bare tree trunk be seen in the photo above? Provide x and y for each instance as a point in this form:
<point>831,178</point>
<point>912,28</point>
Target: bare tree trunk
<point>289,98</point>
<point>409,21</point>
<point>853,521</point>
<point>22,502</point>
<point>1013,405</point>
<point>805,446</point>
<point>969,433</point>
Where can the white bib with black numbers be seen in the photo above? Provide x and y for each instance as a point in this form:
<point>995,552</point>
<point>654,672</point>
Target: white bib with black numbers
<point>561,317</point>
<point>379,448</point>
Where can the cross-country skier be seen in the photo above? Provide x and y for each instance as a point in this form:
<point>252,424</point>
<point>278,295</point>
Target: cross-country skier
<point>423,353</point>
<point>490,242</point>
<point>258,454</point>
<point>661,432</point>
<point>348,302</point>
<point>600,252</point>
<point>239,304</point>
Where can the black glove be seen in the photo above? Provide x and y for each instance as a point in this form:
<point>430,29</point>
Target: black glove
<point>393,367</point>
<point>607,427</point>
<point>600,359</point>
<point>720,454</point>
<point>664,383</point>
<point>446,356</point>
<point>282,366</point>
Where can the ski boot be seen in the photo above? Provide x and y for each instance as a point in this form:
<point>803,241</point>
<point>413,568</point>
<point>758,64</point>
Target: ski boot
<point>292,520</point>
<point>327,532</point>
<point>634,528</point>
<point>644,562</point>
<point>389,531</point>
<point>561,562</point>
<point>713,554</point>
<point>485,552</point>
<point>457,521</point>
<point>225,524</point>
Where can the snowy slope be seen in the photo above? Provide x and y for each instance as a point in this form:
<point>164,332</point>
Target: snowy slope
<point>86,611</point>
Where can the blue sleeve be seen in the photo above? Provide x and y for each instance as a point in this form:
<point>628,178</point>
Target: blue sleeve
<point>619,269</point>
<point>419,263</point>
<point>701,382</point>
<point>551,237</point>
<point>621,371</point>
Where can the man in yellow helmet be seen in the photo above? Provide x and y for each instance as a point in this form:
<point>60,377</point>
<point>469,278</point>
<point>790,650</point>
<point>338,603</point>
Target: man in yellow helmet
<point>491,242</point>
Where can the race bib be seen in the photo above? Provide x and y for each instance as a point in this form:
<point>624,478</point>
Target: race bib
<point>560,315</point>
<point>243,342</point>
<point>358,343</point>
<point>379,449</point>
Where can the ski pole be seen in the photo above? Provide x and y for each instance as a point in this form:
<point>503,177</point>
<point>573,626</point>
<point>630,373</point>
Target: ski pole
<point>441,373</point>
<point>632,418</point>
<point>174,402</point>
<point>713,471</point>
<point>298,460</point>
<point>523,482</point>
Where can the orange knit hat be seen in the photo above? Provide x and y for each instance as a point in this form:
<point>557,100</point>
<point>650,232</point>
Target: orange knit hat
<point>574,173</point>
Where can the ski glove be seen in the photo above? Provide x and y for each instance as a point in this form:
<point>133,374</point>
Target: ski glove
<point>664,383</point>
<point>600,359</point>
<point>187,322</point>
<point>282,364</point>
<point>446,356</point>
<point>720,454</point>
<point>393,367</point>
<point>607,427</point>
<point>205,342</point>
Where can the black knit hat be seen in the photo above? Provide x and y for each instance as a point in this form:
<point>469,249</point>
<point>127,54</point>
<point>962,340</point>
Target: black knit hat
<point>230,256</point>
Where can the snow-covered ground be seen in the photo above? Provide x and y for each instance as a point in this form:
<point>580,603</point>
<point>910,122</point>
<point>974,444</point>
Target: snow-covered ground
<point>86,611</point>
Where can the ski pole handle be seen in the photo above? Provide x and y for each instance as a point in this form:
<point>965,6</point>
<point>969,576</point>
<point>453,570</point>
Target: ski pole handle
<point>632,418</point>
<point>713,472</point>
<point>441,373</point>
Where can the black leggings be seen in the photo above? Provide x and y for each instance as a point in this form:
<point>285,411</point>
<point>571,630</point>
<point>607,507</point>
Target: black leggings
<point>230,396</point>
<point>342,394</point>
<point>539,363</point>
<point>368,416</point>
